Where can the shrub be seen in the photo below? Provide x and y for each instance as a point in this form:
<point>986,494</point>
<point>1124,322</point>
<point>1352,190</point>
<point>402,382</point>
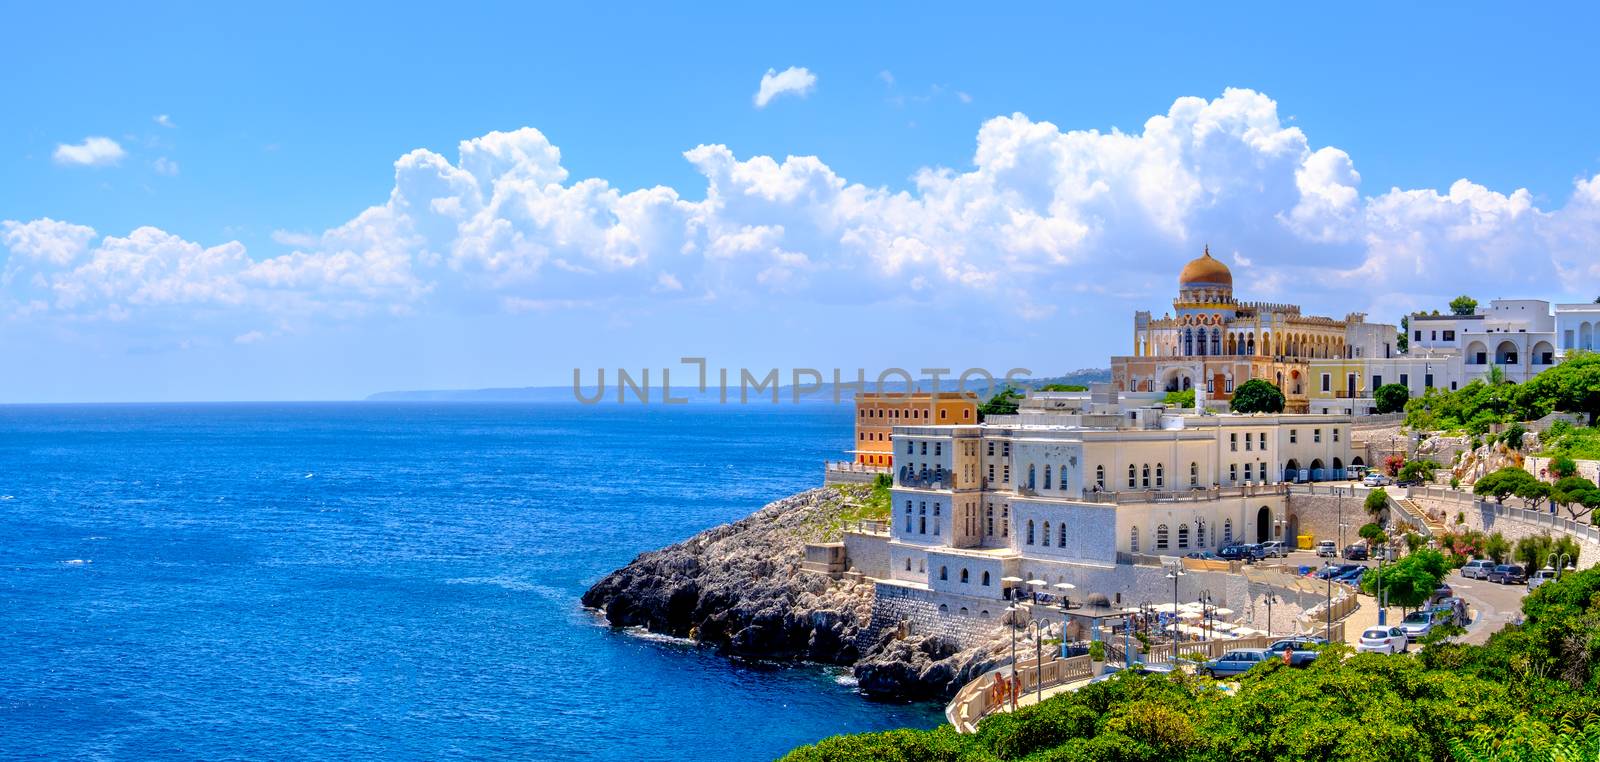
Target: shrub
<point>1376,501</point>
<point>1257,396</point>
<point>1391,398</point>
<point>1562,466</point>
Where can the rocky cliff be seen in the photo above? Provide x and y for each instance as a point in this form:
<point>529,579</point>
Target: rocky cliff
<point>739,587</point>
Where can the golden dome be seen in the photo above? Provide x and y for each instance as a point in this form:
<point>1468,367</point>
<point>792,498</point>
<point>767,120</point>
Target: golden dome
<point>1205,272</point>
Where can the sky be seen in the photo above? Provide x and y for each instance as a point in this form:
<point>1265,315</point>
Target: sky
<point>292,201</point>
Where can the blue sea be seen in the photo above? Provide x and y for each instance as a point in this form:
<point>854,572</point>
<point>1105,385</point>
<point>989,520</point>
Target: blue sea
<point>385,581</point>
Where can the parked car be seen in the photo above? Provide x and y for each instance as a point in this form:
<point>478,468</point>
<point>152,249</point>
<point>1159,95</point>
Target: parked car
<point>1478,568</point>
<point>1141,669</point>
<point>1408,483</point>
<point>1334,570</point>
<point>1302,651</point>
<point>1383,640</point>
<point>1356,552</point>
<point>1375,480</point>
<point>1327,549</point>
<point>1235,662</point>
<point>1275,549</point>
<point>1204,555</point>
<point>1508,574</point>
<point>1540,577</point>
<point>1352,577</point>
<point>1441,592</point>
<point>1450,611</point>
<point>1417,624</point>
<point>1241,552</point>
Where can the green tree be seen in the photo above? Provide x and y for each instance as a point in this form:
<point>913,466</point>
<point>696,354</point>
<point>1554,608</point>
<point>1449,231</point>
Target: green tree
<point>1376,501</point>
<point>1391,398</point>
<point>1562,466</point>
<point>1257,396</point>
<point>1063,388</point>
<point>1463,305</point>
<point>1513,435</point>
<point>1183,399</point>
<point>1509,481</point>
<point>1402,341</point>
<point>1003,402</point>
<point>1496,548</point>
<point>1370,531</point>
<point>1574,493</point>
<point>1410,581</point>
<point>1418,470</point>
<point>1535,552</point>
<point>1414,541</point>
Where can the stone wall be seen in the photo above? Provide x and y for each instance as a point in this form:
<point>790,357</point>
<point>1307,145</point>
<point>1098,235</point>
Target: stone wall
<point>1482,516</point>
<point>1320,515</point>
<point>867,553</point>
<point>919,612</point>
<point>1588,469</point>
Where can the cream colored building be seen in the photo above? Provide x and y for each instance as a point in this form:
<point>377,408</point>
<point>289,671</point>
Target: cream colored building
<point>1077,482</point>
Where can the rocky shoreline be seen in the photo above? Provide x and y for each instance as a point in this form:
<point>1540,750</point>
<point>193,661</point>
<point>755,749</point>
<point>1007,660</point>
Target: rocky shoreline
<point>740,588</point>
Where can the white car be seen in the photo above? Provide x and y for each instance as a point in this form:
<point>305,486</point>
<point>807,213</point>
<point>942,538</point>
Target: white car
<point>1375,480</point>
<point>1275,549</point>
<point>1328,549</point>
<point>1383,640</point>
<point>1540,577</point>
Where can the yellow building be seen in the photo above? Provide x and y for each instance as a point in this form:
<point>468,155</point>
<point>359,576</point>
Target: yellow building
<point>878,412</point>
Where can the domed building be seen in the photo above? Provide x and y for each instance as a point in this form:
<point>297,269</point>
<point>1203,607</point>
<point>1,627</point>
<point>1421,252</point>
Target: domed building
<point>1211,342</point>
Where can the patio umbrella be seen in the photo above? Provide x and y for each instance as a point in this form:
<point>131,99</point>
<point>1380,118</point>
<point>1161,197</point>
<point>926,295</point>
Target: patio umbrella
<point>1222,612</point>
<point>1037,582</point>
<point>1064,586</point>
<point>1189,615</point>
<point>1011,579</point>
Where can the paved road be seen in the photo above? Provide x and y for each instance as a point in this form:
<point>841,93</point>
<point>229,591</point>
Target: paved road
<point>1492,606</point>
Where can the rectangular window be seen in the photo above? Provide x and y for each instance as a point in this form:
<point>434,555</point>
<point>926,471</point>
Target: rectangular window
<point>1249,442</point>
<point>1316,436</point>
<point>924,448</point>
<point>938,447</point>
<point>1294,436</point>
<point>1377,381</point>
<point>1005,450</point>
<point>991,472</point>
<point>1449,335</point>
<point>1263,440</point>
<point>1433,336</point>
<point>1247,476</point>
<point>1233,472</point>
<point>1233,442</point>
<point>1230,386</point>
<point>1327,382</point>
<point>1419,335</point>
<point>1005,474</point>
<point>991,449</point>
<point>1427,382</point>
<point>1405,380</point>
<point>1335,435</point>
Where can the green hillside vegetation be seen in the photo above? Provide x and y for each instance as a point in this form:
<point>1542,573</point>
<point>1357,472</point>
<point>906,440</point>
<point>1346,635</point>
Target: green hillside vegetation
<point>1526,694</point>
<point>1576,442</point>
<point>1571,387</point>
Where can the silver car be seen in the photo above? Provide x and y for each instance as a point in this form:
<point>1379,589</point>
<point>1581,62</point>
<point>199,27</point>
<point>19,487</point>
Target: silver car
<point>1383,640</point>
<point>1540,577</point>
<point>1235,662</point>
<point>1477,569</point>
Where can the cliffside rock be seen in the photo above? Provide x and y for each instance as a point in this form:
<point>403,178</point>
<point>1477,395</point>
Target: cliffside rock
<point>739,587</point>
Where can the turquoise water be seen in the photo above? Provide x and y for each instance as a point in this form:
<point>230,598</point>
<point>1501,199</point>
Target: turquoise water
<point>396,581</point>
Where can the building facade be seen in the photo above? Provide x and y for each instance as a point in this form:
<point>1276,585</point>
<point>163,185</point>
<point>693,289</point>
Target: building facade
<point>877,413</point>
<point>1211,342</point>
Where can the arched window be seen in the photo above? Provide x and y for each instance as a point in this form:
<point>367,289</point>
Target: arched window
<point>1062,470</point>
<point>944,572</point>
<point>1100,477</point>
<point>1061,539</point>
<point>1183,535</point>
<point>1030,531</point>
<point>1030,476</point>
<point>944,609</point>
<point>986,584</point>
<point>1216,342</point>
<point>964,577</point>
<point>1200,533</point>
<point>1146,482</point>
<point>1047,477</point>
<point>1161,537</point>
<point>991,519</point>
<point>908,516</point>
<point>1133,540</point>
<point>1133,476</point>
<point>908,563</point>
<point>1227,531</point>
<point>1194,474</point>
<point>1161,475</point>
<point>1046,538</point>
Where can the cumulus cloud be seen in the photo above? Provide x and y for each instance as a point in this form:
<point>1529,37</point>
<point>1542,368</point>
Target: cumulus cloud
<point>94,151</point>
<point>164,121</point>
<point>165,166</point>
<point>1042,218</point>
<point>795,80</point>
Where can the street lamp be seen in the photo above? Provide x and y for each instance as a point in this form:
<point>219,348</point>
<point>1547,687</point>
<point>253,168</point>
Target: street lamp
<point>1329,634</point>
<point>1177,571</point>
<point>1270,596</point>
<point>1011,619</point>
<point>1037,628</point>
<point>1205,615</point>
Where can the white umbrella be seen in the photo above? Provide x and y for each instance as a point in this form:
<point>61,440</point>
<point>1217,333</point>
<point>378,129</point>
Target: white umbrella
<point>1010,579</point>
<point>1222,612</point>
<point>1221,626</point>
<point>1064,586</point>
<point>1189,615</point>
<point>1037,582</point>
<point>1165,608</point>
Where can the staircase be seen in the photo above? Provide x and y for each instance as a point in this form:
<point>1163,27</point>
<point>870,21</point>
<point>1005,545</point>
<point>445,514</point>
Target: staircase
<point>1420,516</point>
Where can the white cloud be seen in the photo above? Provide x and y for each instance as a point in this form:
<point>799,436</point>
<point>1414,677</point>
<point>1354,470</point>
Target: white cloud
<point>796,80</point>
<point>164,121</point>
<point>249,337</point>
<point>1042,219</point>
<point>165,166</point>
<point>963,96</point>
<point>887,77</point>
<point>94,151</point>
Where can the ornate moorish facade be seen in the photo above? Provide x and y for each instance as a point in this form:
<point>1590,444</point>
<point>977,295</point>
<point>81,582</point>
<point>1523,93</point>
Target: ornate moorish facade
<point>1211,342</point>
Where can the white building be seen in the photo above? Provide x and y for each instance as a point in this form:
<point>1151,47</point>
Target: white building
<point>1069,483</point>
